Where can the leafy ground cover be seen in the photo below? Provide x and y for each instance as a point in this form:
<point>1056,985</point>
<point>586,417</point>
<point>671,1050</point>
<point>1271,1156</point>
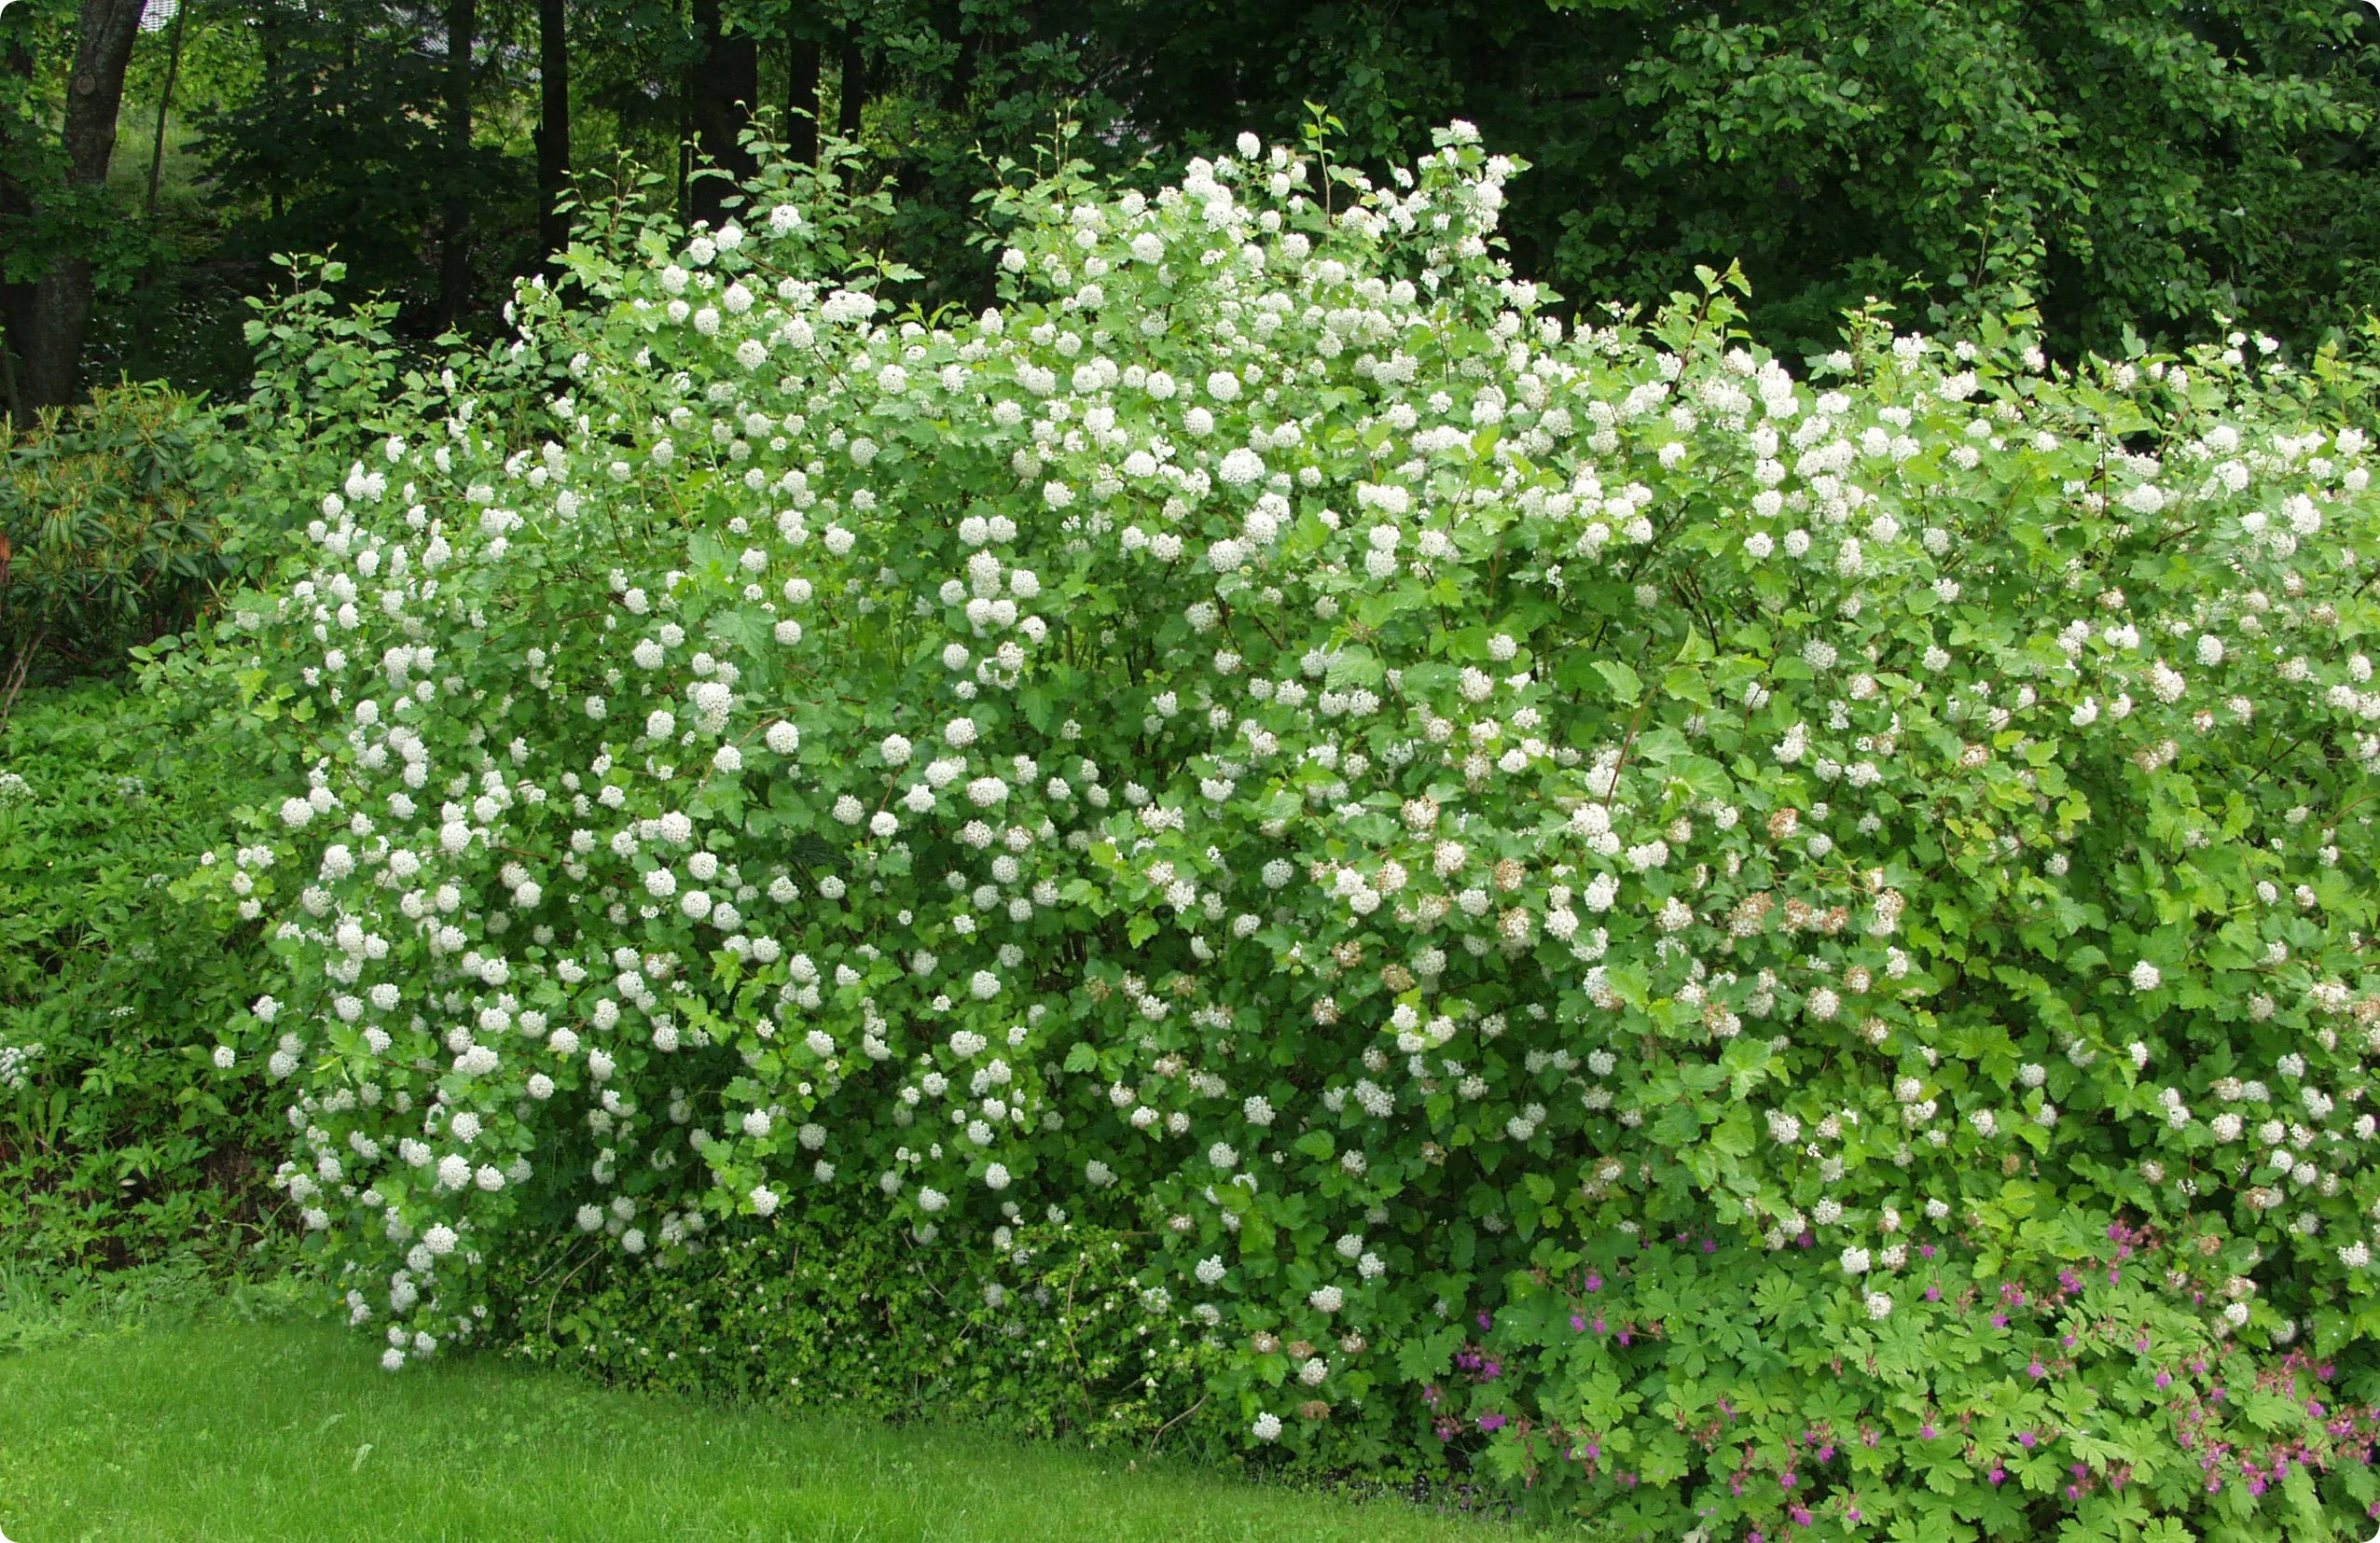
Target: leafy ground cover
<point>139,1420</point>
<point>119,1139</point>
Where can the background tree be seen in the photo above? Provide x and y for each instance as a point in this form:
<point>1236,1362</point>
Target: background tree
<point>49,313</point>
<point>2139,164</point>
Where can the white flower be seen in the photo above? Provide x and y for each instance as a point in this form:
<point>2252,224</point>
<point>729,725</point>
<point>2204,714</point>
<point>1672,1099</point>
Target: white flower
<point>2146,977</point>
<point>1879,1306</point>
<point>1267,1427</point>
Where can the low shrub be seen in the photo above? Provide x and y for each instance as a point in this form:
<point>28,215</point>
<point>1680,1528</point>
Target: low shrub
<point>1743,949</point>
<point>841,1310</point>
<point>108,537</point>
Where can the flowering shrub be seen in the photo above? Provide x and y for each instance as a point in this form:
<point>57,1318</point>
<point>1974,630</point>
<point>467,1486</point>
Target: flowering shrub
<point>1753,948</point>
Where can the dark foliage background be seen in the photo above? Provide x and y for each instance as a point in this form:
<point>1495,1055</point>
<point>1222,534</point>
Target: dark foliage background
<point>2153,165</point>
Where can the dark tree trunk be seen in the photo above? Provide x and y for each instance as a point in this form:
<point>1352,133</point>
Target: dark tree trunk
<point>16,207</point>
<point>801,99</point>
<point>961,79</point>
<point>855,85</point>
<point>553,129</point>
<point>454,256</point>
<point>726,84</point>
<point>57,313</point>
<point>268,46</point>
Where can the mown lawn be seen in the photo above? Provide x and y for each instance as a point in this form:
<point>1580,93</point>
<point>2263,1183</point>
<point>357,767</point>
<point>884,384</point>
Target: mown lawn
<point>233,1432</point>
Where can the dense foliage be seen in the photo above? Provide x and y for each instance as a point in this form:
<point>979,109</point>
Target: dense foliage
<point>107,537</point>
<point>1737,948</point>
<point>119,1141</point>
<point>840,1308</point>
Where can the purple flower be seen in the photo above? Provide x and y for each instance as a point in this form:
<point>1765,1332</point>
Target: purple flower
<point>1578,1325</point>
<point>1594,1281</point>
<point>1491,1421</point>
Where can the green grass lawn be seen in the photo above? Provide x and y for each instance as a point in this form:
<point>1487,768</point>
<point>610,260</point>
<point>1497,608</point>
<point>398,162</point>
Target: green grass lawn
<point>231,1431</point>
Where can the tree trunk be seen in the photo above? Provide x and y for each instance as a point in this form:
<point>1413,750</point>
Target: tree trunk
<point>855,85</point>
<point>269,49</point>
<point>454,257</point>
<point>15,205</point>
<point>952,22</point>
<point>165,106</point>
<point>50,323</point>
<point>553,129</point>
<point>801,99</point>
<point>727,83</point>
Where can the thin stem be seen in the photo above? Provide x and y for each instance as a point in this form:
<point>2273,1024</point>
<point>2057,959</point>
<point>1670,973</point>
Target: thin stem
<point>165,106</point>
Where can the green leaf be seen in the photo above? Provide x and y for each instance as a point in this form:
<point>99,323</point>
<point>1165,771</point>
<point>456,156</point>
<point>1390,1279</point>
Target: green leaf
<point>1625,686</point>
